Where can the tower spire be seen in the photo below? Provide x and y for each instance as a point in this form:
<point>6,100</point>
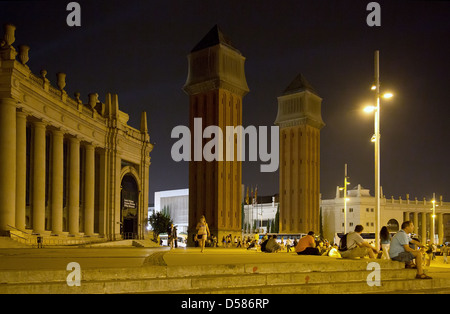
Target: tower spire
<point>215,84</point>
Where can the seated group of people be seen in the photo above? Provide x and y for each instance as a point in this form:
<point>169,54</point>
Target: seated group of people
<point>305,246</point>
<point>401,247</point>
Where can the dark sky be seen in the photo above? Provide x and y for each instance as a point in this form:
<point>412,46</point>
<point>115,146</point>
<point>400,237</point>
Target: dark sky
<point>139,50</point>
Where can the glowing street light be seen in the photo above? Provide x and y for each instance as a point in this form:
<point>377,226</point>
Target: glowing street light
<point>370,109</point>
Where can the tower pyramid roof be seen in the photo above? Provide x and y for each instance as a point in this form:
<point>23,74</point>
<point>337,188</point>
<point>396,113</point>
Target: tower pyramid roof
<point>299,84</point>
<point>214,37</point>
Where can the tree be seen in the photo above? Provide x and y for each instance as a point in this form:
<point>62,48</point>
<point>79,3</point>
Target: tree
<point>276,228</point>
<point>321,223</point>
<point>242,217</point>
<point>160,222</point>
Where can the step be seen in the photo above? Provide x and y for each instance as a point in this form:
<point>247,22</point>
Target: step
<point>145,243</point>
<point>387,286</point>
<point>158,279</point>
<point>154,271</point>
<point>267,283</point>
<point>308,275</point>
<point>7,242</point>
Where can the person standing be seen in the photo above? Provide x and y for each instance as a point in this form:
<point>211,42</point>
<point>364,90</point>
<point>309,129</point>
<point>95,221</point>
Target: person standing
<point>202,232</point>
<point>170,236</point>
<point>385,238</point>
<point>288,245</point>
<point>224,242</point>
<point>175,236</point>
<point>445,253</point>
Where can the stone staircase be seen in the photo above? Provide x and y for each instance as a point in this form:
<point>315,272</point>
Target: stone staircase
<point>329,277</point>
<point>7,242</point>
<point>147,243</point>
<point>25,238</point>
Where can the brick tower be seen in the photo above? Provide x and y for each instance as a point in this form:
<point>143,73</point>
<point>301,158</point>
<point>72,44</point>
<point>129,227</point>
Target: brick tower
<point>300,121</point>
<point>216,85</point>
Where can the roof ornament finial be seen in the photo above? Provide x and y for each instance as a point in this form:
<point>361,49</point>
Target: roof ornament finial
<point>77,96</point>
<point>9,34</point>
<point>7,51</point>
<point>61,80</point>
<point>23,54</point>
<point>93,100</point>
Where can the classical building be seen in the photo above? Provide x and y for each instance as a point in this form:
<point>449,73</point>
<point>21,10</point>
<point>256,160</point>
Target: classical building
<point>300,120</point>
<point>215,84</point>
<point>67,168</point>
<point>361,211</point>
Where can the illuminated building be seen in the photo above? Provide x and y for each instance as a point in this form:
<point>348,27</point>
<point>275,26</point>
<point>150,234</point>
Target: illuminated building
<point>68,169</point>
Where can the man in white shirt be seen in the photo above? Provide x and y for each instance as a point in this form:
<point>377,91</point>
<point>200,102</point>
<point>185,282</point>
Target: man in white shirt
<point>357,246</point>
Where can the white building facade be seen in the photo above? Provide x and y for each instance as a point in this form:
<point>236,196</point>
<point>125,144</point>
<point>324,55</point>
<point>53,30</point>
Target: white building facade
<point>260,216</point>
<point>176,202</point>
<point>361,211</point>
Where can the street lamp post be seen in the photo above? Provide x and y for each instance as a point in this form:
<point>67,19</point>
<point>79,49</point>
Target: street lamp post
<point>433,216</point>
<point>345,199</point>
<point>376,140</point>
<point>377,150</point>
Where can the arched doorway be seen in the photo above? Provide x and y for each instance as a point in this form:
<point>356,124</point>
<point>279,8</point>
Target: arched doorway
<point>129,200</point>
<point>393,225</point>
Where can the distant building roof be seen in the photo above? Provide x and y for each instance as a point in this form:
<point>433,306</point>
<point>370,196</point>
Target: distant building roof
<point>359,190</point>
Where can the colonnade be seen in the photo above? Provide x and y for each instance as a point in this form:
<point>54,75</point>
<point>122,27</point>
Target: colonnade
<point>26,181</point>
<point>423,225</point>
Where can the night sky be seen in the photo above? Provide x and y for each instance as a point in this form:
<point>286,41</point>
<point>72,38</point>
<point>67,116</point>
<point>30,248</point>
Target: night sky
<point>139,50</point>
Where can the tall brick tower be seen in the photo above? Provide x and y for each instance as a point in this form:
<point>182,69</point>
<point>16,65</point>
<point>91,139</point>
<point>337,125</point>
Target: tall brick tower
<point>216,85</point>
<point>300,121</point>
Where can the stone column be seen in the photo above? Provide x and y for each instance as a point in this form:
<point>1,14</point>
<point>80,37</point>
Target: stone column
<point>117,220</point>
<point>89,184</point>
<point>405,216</point>
<point>423,232</point>
<point>74,186</point>
<point>21,168</point>
<point>416,220</point>
<point>7,163</point>
<point>440,227</point>
<point>103,192</point>
<point>57,181</point>
<point>38,189</point>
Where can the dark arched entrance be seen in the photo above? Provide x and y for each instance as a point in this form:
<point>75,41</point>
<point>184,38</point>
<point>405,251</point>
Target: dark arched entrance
<point>129,207</point>
<point>393,225</point>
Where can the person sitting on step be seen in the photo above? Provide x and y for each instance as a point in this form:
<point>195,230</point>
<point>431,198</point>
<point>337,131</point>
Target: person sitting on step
<point>401,250</point>
<point>357,246</point>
